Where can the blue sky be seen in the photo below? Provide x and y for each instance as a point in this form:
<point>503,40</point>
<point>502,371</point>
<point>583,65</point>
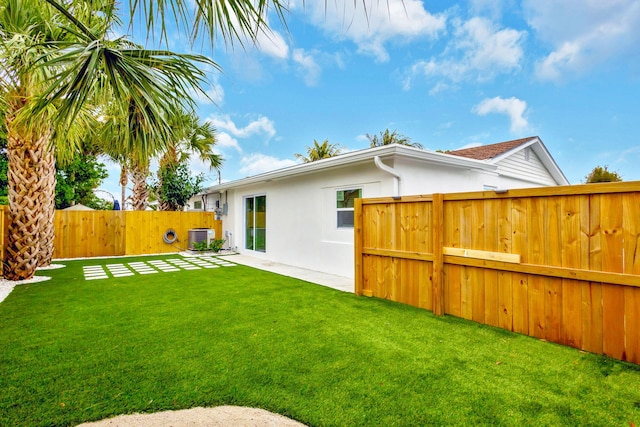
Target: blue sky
<point>446,76</point>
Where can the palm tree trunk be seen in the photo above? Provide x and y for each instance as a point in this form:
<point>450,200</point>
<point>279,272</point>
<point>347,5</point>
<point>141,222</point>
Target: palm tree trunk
<point>26,156</point>
<point>48,204</point>
<point>124,180</point>
<point>140,196</point>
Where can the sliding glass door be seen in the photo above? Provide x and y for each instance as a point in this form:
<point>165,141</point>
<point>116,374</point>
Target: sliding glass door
<point>255,212</point>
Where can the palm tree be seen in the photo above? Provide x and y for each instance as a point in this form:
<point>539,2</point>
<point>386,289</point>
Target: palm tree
<point>59,60</point>
<point>56,69</point>
<point>319,151</point>
<point>31,160</point>
<point>192,137</point>
<point>386,138</point>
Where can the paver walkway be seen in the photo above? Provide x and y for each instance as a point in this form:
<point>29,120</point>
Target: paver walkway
<point>95,272</point>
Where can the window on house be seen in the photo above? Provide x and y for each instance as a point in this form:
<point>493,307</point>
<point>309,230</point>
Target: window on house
<point>197,205</point>
<point>344,203</point>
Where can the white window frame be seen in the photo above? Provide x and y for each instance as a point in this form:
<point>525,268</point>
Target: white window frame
<point>338,210</point>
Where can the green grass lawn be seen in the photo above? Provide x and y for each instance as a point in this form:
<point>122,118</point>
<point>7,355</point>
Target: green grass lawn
<point>75,350</point>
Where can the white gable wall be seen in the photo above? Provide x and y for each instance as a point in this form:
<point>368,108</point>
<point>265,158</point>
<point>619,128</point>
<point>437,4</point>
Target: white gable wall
<point>526,169</point>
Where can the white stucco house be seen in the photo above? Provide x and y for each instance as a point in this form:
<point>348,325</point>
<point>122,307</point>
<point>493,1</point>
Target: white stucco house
<point>303,215</point>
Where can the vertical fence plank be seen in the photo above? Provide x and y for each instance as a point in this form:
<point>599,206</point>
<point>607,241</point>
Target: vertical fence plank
<point>612,295</point>
<point>438,231</point>
<point>631,237</point>
<point>592,291</point>
<point>536,286</point>
<point>505,279</point>
<point>553,257</point>
<point>426,278</point>
<point>452,273</point>
<point>520,290</point>
<point>491,243</point>
<point>571,251</point>
<point>477,276</point>
<point>358,241</point>
<point>466,241</point>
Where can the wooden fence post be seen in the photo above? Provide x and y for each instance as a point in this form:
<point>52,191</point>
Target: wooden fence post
<point>358,237</point>
<point>437,231</point>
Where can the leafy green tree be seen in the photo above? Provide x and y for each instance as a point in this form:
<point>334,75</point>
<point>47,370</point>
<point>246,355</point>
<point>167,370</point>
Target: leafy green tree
<point>192,137</point>
<point>602,174</point>
<point>76,181</point>
<point>387,138</point>
<point>319,151</point>
<point>175,186</point>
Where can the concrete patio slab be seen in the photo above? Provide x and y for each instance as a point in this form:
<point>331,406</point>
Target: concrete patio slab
<point>340,283</point>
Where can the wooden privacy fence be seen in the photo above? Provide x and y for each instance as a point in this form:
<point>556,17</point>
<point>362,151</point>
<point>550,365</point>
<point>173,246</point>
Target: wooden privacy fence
<point>80,234</point>
<point>108,233</point>
<point>557,263</point>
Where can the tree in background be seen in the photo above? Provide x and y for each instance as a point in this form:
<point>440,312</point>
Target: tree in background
<point>192,137</point>
<point>76,181</point>
<point>602,174</point>
<point>387,138</point>
<point>319,151</point>
<point>175,186</point>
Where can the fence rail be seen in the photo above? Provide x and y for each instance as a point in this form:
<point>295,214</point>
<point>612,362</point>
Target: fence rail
<point>111,233</point>
<point>558,263</point>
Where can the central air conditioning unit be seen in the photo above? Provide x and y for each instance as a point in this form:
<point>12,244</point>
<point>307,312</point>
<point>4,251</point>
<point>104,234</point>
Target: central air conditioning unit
<point>197,235</point>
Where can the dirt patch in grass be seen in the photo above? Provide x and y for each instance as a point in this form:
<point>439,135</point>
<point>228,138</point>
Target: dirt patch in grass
<point>200,417</point>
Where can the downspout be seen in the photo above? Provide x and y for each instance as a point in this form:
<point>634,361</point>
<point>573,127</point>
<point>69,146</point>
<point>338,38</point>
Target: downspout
<point>396,176</point>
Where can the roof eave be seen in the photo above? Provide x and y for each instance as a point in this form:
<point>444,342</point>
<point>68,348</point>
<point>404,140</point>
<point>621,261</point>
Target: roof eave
<point>356,157</point>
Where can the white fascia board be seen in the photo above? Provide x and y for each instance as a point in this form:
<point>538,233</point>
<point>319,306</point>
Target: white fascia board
<point>551,165</point>
<point>356,157</point>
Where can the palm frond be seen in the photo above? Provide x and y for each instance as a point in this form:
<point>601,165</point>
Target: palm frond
<point>233,20</point>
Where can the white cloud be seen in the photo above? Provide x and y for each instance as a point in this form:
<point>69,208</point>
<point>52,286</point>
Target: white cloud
<point>583,34</point>
<point>479,50</point>
<point>513,107</point>
<point>214,92</point>
<point>372,24</point>
<point>493,8</point>
<point>307,66</point>
<point>261,125</point>
<point>271,43</point>
<point>224,140</point>
<point>258,163</point>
